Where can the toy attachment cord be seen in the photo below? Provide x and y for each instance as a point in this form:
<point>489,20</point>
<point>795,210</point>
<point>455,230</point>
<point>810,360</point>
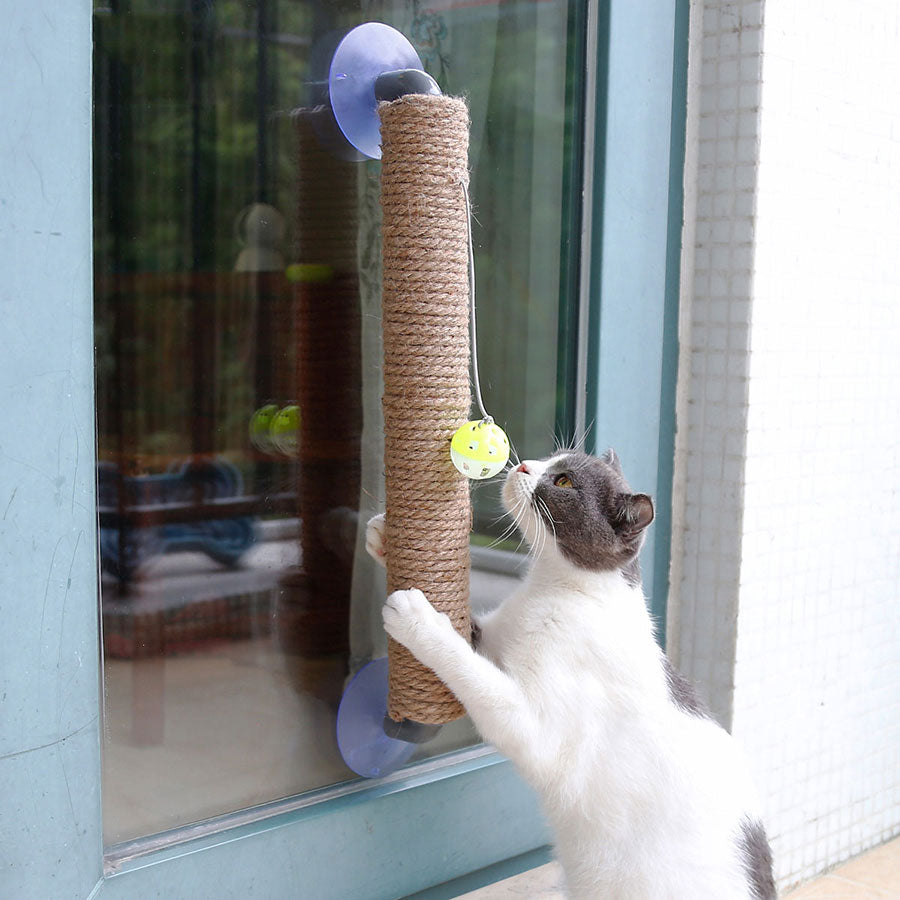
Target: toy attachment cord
<point>476,381</point>
<point>427,293</point>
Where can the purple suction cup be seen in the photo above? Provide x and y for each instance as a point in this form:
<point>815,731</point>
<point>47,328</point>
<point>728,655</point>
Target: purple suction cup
<point>362,740</point>
<point>372,53</point>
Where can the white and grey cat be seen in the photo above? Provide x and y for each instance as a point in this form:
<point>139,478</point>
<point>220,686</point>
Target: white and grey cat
<point>647,796</point>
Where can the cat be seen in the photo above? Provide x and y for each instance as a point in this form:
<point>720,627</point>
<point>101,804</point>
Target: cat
<point>646,795</point>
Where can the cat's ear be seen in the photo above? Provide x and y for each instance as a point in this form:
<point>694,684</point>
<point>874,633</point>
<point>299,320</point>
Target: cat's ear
<point>636,513</point>
<point>612,460</point>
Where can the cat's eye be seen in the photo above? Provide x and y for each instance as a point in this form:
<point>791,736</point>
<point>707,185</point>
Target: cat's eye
<point>563,481</point>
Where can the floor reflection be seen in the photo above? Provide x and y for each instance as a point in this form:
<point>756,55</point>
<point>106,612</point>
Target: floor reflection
<point>223,716</point>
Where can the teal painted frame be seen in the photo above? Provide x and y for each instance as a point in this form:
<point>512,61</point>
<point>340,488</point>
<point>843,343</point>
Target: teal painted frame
<point>389,838</point>
<point>49,663</point>
<point>632,249</point>
<point>385,840</point>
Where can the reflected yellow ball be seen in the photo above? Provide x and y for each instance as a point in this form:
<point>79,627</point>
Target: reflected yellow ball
<point>260,422</point>
<point>284,431</point>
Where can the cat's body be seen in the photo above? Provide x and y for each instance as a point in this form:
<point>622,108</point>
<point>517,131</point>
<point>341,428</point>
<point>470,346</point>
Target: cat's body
<point>647,796</point>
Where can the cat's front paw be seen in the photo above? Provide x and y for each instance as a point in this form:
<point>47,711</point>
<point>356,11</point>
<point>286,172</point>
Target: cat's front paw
<point>410,619</point>
<point>375,538</point>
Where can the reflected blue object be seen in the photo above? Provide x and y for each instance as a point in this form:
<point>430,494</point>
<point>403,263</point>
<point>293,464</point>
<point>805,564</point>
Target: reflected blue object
<point>123,547</point>
<point>367,52</point>
<point>360,725</point>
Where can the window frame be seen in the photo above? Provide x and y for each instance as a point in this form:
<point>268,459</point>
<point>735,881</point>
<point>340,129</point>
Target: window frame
<point>50,744</point>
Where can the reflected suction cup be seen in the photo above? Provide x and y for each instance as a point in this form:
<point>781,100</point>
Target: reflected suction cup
<point>371,742</point>
<point>372,53</point>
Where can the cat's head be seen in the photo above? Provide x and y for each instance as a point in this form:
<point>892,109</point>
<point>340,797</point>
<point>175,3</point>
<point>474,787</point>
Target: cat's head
<point>584,506</point>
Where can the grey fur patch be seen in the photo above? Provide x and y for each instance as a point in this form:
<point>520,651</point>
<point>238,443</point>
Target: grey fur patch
<point>598,524</point>
<point>632,573</point>
<point>756,856</point>
<point>682,693</point>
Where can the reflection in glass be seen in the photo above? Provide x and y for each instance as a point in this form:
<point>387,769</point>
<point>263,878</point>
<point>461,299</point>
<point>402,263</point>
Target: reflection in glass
<point>237,312</point>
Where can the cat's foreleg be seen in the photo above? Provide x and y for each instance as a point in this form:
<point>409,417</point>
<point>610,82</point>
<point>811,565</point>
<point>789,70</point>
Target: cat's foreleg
<point>494,700</point>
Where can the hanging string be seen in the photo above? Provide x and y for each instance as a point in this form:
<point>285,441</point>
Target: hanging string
<point>476,382</point>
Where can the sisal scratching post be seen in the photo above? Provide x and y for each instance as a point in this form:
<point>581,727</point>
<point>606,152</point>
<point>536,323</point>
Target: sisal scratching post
<point>426,376</point>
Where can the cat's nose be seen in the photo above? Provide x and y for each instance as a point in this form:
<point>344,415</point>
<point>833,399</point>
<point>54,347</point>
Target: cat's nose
<point>523,468</point>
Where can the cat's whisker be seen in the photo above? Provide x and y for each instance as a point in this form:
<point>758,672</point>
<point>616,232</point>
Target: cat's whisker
<point>588,428</point>
<point>554,440</point>
<point>505,534</point>
<point>516,513</point>
<point>549,516</point>
<point>496,542</point>
<point>543,504</point>
<point>542,541</point>
<point>534,549</point>
<point>499,518</point>
<point>520,520</point>
<point>537,548</point>
<point>566,446</point>
<point>521,540</point>
<point>519,515</point>
<point>558,446</point>
<point>519,545</point>
<point>545,532</point>
<point>378,501</point>
<point>507,529</point>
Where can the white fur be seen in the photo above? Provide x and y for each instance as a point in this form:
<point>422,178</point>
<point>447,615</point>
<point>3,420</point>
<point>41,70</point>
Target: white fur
<point>644,799</point>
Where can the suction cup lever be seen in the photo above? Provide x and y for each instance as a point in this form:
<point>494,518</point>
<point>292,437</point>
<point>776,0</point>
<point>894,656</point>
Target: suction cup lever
<point>409,731</point>
<point>373,62</point>
<point>372,744</point>
<point>393,85</point>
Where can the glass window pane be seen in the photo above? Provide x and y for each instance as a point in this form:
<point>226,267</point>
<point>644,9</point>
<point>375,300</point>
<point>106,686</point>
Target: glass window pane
<point>237,319</point>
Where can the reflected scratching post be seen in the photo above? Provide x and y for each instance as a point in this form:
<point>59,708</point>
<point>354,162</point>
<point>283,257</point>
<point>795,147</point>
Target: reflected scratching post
<point>326,298</point>
<point>425,307</point>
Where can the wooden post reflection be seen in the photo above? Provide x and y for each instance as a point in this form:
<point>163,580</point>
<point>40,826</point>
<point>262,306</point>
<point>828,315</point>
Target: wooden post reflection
<point>314,599</point>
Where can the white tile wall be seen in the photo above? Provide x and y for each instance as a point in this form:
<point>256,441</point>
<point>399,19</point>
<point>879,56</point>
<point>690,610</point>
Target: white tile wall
<point>817,684</point>
<point>788,577</point>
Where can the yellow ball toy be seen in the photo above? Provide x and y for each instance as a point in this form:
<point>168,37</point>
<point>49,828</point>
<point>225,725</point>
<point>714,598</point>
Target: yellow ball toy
<point>479,449</point>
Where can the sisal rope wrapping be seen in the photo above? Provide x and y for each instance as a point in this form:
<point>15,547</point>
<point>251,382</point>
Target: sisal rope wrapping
<point>425,309</point>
